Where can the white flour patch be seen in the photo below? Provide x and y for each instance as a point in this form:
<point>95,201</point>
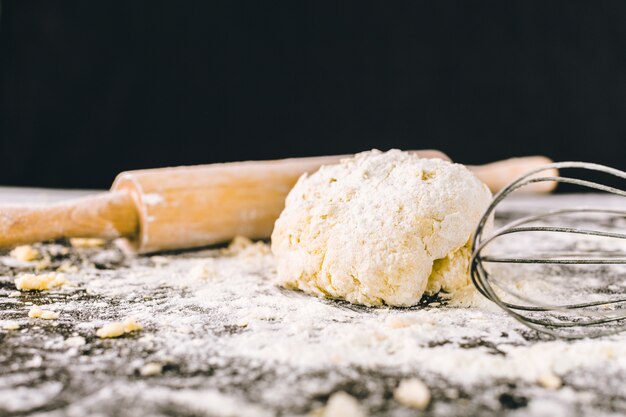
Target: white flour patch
<point>233,343</point>
<point>152,199</point>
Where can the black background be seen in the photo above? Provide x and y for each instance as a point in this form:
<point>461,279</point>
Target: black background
<point>91,88</point>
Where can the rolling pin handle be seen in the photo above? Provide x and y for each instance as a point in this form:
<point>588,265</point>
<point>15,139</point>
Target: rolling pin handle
<point>107,216</point>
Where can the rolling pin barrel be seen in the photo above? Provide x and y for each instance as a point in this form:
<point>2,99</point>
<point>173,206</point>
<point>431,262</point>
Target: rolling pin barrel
<point>185,207</point>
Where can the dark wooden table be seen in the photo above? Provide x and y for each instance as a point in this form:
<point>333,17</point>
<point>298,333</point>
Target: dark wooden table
<point>220,339</point>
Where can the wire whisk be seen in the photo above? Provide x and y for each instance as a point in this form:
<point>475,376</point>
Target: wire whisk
<point>599,315</point>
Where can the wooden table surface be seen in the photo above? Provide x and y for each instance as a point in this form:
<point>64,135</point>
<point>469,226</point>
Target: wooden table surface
<point>220,339</point>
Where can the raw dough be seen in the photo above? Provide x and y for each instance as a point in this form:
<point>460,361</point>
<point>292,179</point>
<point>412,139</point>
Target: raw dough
<point>25,253</point>
<point>412,393</point>
<point>151,369</point>
<point>75,341</point>
<point>117,329</point>
<point>341,404</point>
<point>380,228</point>
<point>244,247</point>
<point>41,282</point>
<point>549,380</point>
<point>36,312</point>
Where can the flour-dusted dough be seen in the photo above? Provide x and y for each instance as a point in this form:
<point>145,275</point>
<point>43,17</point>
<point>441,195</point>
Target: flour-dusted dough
<point>374,228</point>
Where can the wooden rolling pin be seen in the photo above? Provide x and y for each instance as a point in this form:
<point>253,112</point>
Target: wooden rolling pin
<point>191,206</point>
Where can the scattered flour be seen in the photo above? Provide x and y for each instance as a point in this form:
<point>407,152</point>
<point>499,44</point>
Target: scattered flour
<point>295,349</point>
<point>204,270</point>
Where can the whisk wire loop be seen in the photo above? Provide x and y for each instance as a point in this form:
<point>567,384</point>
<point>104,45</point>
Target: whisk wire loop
<point>581,319</point>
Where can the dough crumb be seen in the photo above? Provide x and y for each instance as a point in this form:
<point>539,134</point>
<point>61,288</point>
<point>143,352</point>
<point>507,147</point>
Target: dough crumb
<point>36,312</point>
<point>341,404</point>
<point>151,369</point>
<point>242,246</point>
<point>11,326</point>
<point>86,242</point>
<point>412,393</point>
<point>203,271</point>
<point>25,253</point>
<point>117,329</point>
<point>57,250</point>
<point>41,282</point>
<point>67,266</point>
<point>43,264</point>
<point>550,381</point>
<point>75,341</point>
<point>15,294</point>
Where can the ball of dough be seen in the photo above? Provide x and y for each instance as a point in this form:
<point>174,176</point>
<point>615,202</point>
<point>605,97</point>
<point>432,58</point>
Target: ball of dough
<point>379,228</point>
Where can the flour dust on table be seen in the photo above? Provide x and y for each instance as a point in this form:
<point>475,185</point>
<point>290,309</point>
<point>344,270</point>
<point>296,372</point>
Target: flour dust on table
<point>225,340</point>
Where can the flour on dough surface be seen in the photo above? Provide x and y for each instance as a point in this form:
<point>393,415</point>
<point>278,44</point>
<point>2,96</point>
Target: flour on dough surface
<point>381,227</point>
<point>295,351</point>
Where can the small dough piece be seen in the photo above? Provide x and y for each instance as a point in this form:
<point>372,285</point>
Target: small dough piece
<point>341,404</point>
<point>75,341</point>
<point>36,312</point>
<point>151,369</point>
<point>25,253</point>
<point>413,393</point>
<point>11,326</point>
<point>87,242</point>
<point>380,228</point>
<point>550,380</point>
<point>117,329</point>
<point>67,266</point>
<point>40,282</point>
<point>244,247</point>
